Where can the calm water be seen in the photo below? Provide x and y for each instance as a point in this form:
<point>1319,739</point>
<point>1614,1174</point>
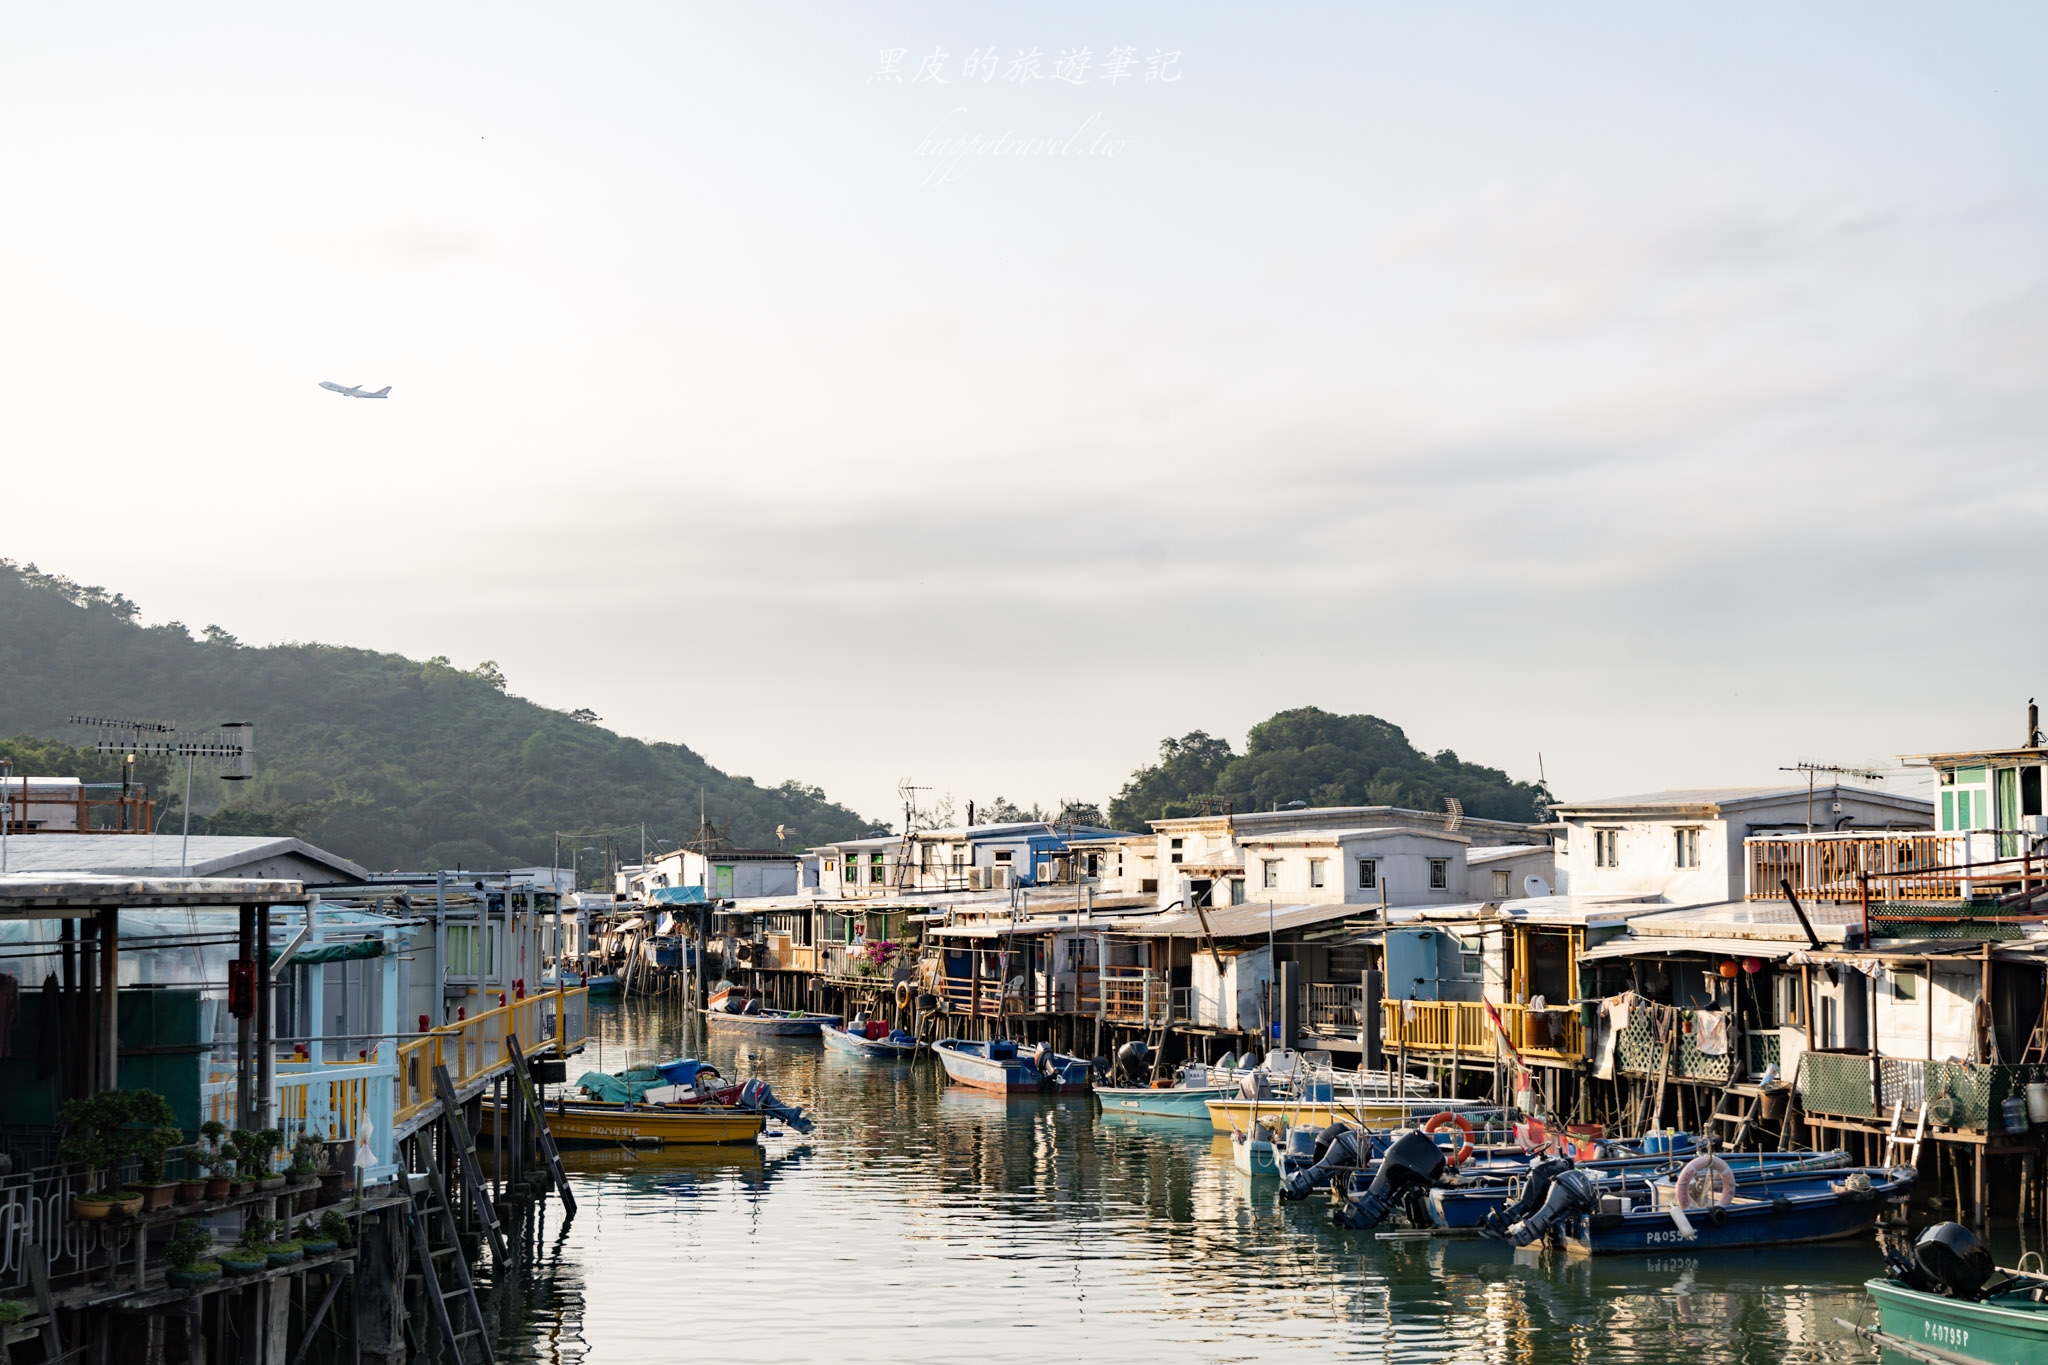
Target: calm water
<point>923,1223</point>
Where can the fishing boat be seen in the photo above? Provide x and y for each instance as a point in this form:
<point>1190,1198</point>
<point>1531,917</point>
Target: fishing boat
<point>734,1009</point>
<point>1489,1188</point>
<point>871,1040</point>
<point>603,983</point>
<point>594,1123</point>
<point>1232,1111</point>
<point>1003,1067</point>
<point>1261,1150</point>
<point>1939,1303</point>
<point>686,1082</point>
<point>1815,1208</point>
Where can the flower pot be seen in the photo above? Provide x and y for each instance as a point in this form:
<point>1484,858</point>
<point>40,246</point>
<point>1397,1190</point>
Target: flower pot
<point>81,1207</point>
<point>240,1267</point>
<point>219,1187</point>
<point>129,1204</point>
<point>292,1257</point>
<point>159,1196</point>
<point>270,1182</point>
<point>320,1246</point>
<point>333,1185</point>
<point>242,1187</point>
<point>192,1191</point>
<point>191,1279</point>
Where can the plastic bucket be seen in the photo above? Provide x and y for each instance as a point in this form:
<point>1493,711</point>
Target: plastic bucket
<point>2037,1101</point>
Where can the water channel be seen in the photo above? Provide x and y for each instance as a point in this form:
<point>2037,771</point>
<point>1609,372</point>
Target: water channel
<point>927,1223</point>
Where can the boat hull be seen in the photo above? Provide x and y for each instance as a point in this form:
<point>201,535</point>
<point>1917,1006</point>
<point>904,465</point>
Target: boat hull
<point>1987,1333</point>
<point>1227,1113</point>
<point>1788,1218</point>
<point>591,1124</point>
<point>1181,1102</point>
<point>771,1025</point>
<point>1007,1075</point>
<point>869,1049</point>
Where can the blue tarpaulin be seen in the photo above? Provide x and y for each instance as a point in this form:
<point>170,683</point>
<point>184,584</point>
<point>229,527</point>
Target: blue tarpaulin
<point>681,895</point>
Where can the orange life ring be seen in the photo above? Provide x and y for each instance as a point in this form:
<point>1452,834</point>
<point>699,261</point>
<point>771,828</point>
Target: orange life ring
<point>1464,1151</point>
<point>1705,1165</point>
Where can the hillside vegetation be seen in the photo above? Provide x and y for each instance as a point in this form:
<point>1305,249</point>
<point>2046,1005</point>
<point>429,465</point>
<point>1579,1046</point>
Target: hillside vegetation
<point>1323,759</point>
<point>386,760</point>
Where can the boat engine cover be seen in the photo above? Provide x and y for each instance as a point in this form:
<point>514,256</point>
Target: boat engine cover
<point>1954,1257</point>
<point>1414,1162</point>
<point>1133,1063</point>
<point>1570,1192</point>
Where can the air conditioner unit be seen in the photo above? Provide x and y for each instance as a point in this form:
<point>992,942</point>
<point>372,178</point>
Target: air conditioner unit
<point>977,879</point>
<point>1004,877</point>
<point>1045,874</point>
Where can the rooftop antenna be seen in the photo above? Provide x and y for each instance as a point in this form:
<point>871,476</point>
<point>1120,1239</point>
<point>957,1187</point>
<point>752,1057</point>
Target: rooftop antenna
<point>908,791</point>
<point>1454,814</point>
<point>1839,770</point>
<point>233,753</point>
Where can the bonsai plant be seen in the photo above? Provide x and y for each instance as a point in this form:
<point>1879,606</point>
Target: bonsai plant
<point>335,1228</point>
<point>314,1239</point>
<point>214,1161</point>
<point>150,1147</point>
<point>13,1311</point>
<point>306,1155</point>
<point>101,1132</point>
<point>189,1256</point>
<point>254,1148</point>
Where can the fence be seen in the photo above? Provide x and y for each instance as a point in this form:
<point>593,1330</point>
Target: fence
<point>1965,1095</point>
<point>473,1049</point>
<point>1332,1010</point>
<point>1834,866</point>
<point>1461,1027</point>
<point>1136,995</point>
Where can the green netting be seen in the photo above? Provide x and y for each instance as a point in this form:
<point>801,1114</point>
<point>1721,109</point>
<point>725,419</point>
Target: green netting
<point>1977,921</point>
<point>1638,1051</point>
<point>1836,1083</point>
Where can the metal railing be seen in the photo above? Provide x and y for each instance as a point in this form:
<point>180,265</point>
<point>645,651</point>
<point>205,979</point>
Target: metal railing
<point>1135,995</point>
<point>1332,1009</point>
<point>338,1103</point>
<point>1460,1027</point>
<point>1834,867</point>
<point>473,1049</point>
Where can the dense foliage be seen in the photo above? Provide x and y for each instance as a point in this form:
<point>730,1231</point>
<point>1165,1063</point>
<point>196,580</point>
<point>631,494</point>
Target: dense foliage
<point>383,759</point>
<point>1322,759</point>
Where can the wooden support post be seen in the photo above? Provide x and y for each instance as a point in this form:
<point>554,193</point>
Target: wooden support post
<point>245,1055</point>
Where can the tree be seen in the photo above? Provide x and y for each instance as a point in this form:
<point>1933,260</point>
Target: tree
<point>1189,767</point>
<point>215,635</point>
<point>583,715</point>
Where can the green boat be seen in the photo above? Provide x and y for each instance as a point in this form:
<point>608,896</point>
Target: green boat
<point>2005,1329</point>
<point>1939,1304</point>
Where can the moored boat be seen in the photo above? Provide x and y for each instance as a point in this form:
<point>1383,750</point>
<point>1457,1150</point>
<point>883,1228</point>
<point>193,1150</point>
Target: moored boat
<point>772,1023</point>
<point>1817,1208</point>
<point>863,1040</point>
<point>1940,1303</point>
<point>594,1123</point>
<point>1004,1067</point>
<point>1230,1111</point>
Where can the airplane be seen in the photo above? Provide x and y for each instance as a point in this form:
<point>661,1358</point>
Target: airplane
<point>355,390</point>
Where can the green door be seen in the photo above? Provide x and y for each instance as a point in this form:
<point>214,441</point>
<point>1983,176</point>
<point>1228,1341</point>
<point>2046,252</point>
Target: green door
<point>722,882</point>
<point>2007,795</point>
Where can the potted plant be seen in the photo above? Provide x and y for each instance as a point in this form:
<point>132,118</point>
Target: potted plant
<point>190,1257</point>
<point>336,1229</point>
<point>306,1155</point>
<point>13,1311</point>
<point>316,1242</point>
<point>264,1143</point>
<point>241,1260</point>
<point>157,1192</point>
<point>101,1132</point>
<point>217,1168</point>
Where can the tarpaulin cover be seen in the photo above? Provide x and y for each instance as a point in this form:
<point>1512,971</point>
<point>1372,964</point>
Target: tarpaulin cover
<point>337,952</point>
<point>681,895</point>
<point>628,1087</point>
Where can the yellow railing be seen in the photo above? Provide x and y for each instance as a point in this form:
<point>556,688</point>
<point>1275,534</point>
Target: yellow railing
<point>1461,1027</point>
<point>474,1048</point>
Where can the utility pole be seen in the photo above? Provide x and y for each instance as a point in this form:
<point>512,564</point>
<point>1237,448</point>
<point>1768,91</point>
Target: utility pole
<point>1838,770</point>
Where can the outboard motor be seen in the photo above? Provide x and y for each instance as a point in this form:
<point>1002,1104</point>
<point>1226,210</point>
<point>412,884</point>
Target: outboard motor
<point>1334,1152</point>
<point>1411,1165</point>
<point>1256,1085</point>
<point>1133,1063</point>
<point>1947,1257</point>
<point>1048,1066</point>
<point>1570,1192</point>
<point>756,1095</point>
<point>1534,1192</point>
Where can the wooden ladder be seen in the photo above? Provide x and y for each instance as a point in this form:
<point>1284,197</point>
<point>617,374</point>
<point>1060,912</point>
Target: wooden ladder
<point>523,1079</point>
<point>1743,1117</point>
<point>1895,1141</point>
<point>436,1204</point>
<point>466,1166</point>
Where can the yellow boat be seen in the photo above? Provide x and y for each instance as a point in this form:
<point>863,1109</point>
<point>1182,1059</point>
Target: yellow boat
<point>1377,1112</point>
<point>592,1123</point>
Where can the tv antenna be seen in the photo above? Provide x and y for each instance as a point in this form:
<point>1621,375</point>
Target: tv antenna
<point>908,790</point>
<point>1837,770</point>
<point>1454,814</point>
<point>233,753</point>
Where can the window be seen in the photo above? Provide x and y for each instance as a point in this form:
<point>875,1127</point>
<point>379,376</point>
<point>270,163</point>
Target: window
<point>1094,864</point>
<point>1271,868</point>
<point>1468,955</point>
<point>1607,848</point>
<point>1148,886</point>
<point>1237,891</point>
<point>1368,874</point>
<point>1004,855</point>
<point>1176,857</point>
<point>1439,874</point>
<point>1176,843</point>
<point>1688,847</point>
<point>461,950</point>
<point>875,868</point>
<point>1500,883</point>
<point>1905,985</point>
<point>831,866</point>
<point>1316,869</point>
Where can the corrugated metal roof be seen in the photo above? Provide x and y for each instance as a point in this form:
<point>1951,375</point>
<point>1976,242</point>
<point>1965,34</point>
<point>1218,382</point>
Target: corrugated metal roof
<point>157,855</point>
<point>1243,921</point>
<point>1665,945</point>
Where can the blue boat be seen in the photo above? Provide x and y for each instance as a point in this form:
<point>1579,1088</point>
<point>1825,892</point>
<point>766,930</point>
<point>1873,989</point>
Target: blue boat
<point>893,1046</point>
<point>1481,1191</point>
<point>1820,1208</point>
<point>1171,1102</point>
<point>1004,1067</point>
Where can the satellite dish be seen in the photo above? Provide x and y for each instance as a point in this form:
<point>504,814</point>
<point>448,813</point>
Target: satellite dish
<point>1533,885</point>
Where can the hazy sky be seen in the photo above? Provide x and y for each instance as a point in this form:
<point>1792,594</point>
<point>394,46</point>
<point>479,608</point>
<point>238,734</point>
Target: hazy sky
<point>1662,392</point>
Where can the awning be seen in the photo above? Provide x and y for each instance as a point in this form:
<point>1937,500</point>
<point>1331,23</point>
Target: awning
<point>350,951</point>
<point>1650,945</point>
<point>680,895</point>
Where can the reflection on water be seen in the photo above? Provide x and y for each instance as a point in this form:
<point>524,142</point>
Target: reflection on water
<point>922,1222</point>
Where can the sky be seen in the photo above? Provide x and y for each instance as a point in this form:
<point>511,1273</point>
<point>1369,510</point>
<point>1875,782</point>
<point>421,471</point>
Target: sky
<point>1657,390</point>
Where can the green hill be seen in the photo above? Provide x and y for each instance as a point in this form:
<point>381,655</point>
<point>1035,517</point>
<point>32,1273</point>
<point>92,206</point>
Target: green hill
<point>383,759</point>
<point>1324,759</point>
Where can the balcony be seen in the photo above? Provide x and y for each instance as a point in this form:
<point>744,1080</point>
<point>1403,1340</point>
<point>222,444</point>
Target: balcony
<point>1958,1095</point>
<point>1890,866</point>
<point>1460,1028</point>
